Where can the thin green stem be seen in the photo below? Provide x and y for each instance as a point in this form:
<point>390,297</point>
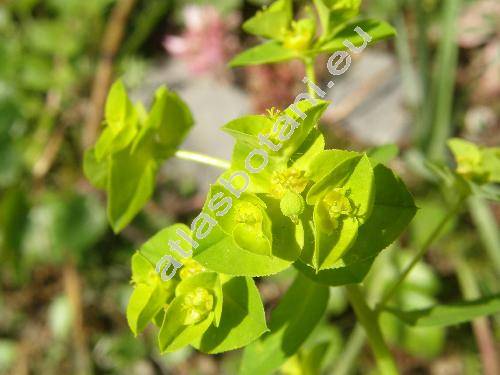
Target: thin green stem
<point>310,74</point>
<point>369,320</point>
<point>420,254</point>
<point>351,351</point>
<point>202,159</point>
<point>356,341</point>
<point>487,227</point>
<point>481,326</point>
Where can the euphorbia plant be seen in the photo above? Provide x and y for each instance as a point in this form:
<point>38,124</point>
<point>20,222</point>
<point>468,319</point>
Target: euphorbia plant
<point>284,200</point>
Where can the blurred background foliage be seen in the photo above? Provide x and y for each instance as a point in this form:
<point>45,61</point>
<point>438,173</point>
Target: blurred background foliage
<point>64,275</point>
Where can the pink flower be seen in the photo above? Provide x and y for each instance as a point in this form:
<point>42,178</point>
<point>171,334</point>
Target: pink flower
<point>478,22</point>
<point>207,42</point>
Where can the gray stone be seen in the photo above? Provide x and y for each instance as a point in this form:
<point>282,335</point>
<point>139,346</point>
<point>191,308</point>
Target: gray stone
<point>380,117</point>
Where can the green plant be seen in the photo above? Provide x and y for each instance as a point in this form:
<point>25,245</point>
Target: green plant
<point>284,200</point>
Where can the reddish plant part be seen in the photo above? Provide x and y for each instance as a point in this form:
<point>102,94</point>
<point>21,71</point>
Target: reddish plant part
<point>273,85</point>
<point>207,42</point>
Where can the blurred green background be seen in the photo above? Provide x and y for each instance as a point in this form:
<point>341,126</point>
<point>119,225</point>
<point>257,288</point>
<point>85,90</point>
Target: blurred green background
<point>64,274</point>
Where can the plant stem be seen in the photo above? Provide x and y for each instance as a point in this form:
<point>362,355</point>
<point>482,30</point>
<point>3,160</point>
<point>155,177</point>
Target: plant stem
<point>445,80</point>
<point>74,288</point>
<point>310,74</point>
<point>425,107</point>
<point>351,351</point>
<point>357,339</point>
<point>481,325</point>
<point>202,159</point>
<point>111,42</point>
<point>486,225</point>
<point>420,254</point>
<point>369,320</point>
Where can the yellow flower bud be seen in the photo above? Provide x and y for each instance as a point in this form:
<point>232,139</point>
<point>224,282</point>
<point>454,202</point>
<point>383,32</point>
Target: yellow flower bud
<point>196,305</point>
<point>291,179</point>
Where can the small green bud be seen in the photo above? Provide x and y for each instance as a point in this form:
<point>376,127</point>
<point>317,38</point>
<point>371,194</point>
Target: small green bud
<point>248,213</point>
<point>334,206</point>
<point>289,179</point>
<point>337,203</point>
<point>292,205</point>
<point>197,304</point>
<point>300,35</point>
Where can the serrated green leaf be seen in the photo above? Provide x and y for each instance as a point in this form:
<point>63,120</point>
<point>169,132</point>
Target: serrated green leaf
<point>265,53</point>
<point>242,320</point>
<point>377,30</point>
<point>337,276</point>
<point>271,22</point>
<point>290,325</point>
<point>451,314</point>
<point>393,209</point>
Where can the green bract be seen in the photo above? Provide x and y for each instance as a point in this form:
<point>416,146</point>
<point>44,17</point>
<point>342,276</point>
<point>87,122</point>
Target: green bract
<point>478,164</point>
<point>393,209</point>
<point>292,39</point>
<point>477,170</point>
<point>210,311</point>
<point>342,200</point>
<point>126,157</point>
<point>329,212</point>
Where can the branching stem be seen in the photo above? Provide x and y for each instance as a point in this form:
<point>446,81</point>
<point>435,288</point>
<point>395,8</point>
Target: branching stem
<point>311,75</point>
<point>369,320</point>
<point>202,159</point>
<point>420,254</point>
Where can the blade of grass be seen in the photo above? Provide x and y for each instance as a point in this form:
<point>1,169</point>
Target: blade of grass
<point>424,113</point>
<point>444,80</point>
